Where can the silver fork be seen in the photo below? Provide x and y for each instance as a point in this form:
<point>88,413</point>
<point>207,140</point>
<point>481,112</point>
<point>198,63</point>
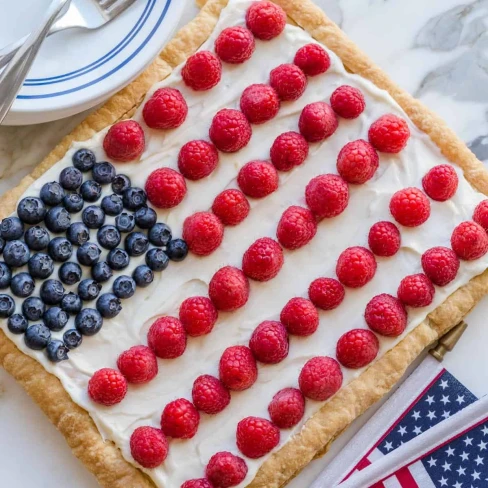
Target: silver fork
<point>85,14</point>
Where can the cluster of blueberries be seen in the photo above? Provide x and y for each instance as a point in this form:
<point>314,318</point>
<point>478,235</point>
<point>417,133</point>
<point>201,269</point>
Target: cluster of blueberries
<point>38,251</point>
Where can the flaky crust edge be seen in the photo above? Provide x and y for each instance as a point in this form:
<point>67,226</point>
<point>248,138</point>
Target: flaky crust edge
<point>104,459</point>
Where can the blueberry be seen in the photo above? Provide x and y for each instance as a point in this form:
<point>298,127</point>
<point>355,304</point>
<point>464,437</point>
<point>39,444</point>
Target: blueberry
<point>177,250</point>
<point>124,287</point>
<point>89,289</point>
<point>71,178</point>
<point>37,337</point>
<point>73,202</point>
<point>78,233</point>
<point>31,210</point>
<point>120,183</point>
<point>88,254</point>
<point>160,235</point>
<point>90,191</point>
<point>146,217</point>
<point>125,222</point>
<point>109,305</point>
<point>93,217</point>
<point>83,159</point>
<point>157,259</point>
<point>58,219</point>
<point>40,266</point>
<point>60,249</point>
<point>70,273</point>
<point>55,318</point>
<point>2,244</point>
<point>136,243</point>
<point>17,323</point>
<point>57,351</point>
<point>7,306</point>
<point>33,308</point>
<point>118,259</point>
<point>52,193</point>
<point>5,275</point>
<point>143,276</point>
<point>72,338</point>
<point>103,173</point>
<point>112,204</point>
<point>22,285</point>
<point>101,272</point>
<point>88,321</point>
<point>108,236</point>
<point>71,303</point>
<point>51,292</point>
<point>37,238</point>
<point>16,253</point>
<point>11,228</point>
<point>134,198</point>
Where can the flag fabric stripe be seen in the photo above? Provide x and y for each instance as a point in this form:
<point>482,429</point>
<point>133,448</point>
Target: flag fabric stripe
<point>392,483</point>
<point>406,479</point>
<point>420,474</point>
<point>374,456</point>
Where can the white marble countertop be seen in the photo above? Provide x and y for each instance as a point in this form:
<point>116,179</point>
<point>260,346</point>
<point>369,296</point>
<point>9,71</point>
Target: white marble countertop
<point>435,49</point>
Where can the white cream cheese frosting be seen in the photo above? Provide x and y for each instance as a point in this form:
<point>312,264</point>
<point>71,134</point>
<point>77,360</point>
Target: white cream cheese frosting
<point>368,204</point>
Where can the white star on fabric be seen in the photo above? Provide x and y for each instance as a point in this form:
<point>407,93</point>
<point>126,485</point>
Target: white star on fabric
<point>445,414</point>
<point>450,451</point>
<point>402,430</point>
<point>446,466</point>
<point>443,481</point>
<point>431,415</point>
<point>444,384</point>
<point>432,462</point>
<point>417,430</point>
<point>457,485</point>
<point>464,456</point>
<point>388,446</point>
<point>430,399</point>
<point>485,430</point>
<point>475,475</point>
<point>478,461</point>
<point>482,445</point>
<point>445,399</point>
<point>461,470</point>
<point>468,441</point>
<point>460,399</point>
<point>416,415</point>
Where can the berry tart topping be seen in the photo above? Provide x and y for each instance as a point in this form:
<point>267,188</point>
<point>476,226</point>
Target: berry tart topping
<point>88,254</point>
<point>296,227</point>
<point>71,303</point>
<point>83,159</point>
<point>11,228</point>
<point>71,178</point>
<point>225,470</point>
<point>230,130</point>
<point>231,207</point>
<point>355,267</point>
<point>180,419</point>
<point>120,183</point>
<point>73,202</point>
<point>480,215</point>
<point>5,276</point>
<point>33,308</point>
<point>37,238</point>
<point>389,134</point>
<point>203,232</point>
<point>327,196</point>
<point>289,149</point>
<point>90,191</point>
<point>17,323</point>
<point>51,292</point>
<point>197,159</point>
<point>197,483</point>
<point>357,348</point>
<point>468,240</point>
<point>300,317</point>
<point>256,437</point>
<point>167,338</point>
<point>209,395</point>
<point>57,219</point>
<point>265,20</point>
<point>31,210</point>
<point>235,45</point>
<point>269,342</point>
<point>177,250</point>
<point>78,233</point>
<point>441,182</point>
<point>55,319</point>
<point>286,408</point>
<point>101,272</point>
<point>160,234</point>
<point>386,315</point>
<point>107,387</point>
<point>59,249</point>
<point>57,351</point>
<point>124,286</point>
<point>22,285</point>
<point>263,259</point>
<point>312,59</point>
<point>165,188</point>
<point>143,276</point>
<point>416,291</point>
<point>52,193</point>
<point>259,103</point>
<point>134,198</point>
<point>89,321</point>
<point>202,71</point>
<point>237,368</point>
<point>118,259</point>
<point>93,217</point>
<point>112,205</point>
<point>357,162</point>
<point>148,446</point>
<point>72,338</point>
<point>41,266</point>
<point>326,293</point>
<point>258,179</point>
<point>410,207</point>
<point>384,239</point>
<point>103,173</point>
<point>7,306</point>
<point>138,364</point>
<point>108,305</point>
<point>145,217</point>
<point>347,102</point>
<point>198,316</point>
<point>440,264</point>
<point>288,81</point>
<point>320,378</point>
<point>229,289</point>
<point>317,122</point>
<point>36,336</point>
<point>166,109</point>
<point>124,141</point>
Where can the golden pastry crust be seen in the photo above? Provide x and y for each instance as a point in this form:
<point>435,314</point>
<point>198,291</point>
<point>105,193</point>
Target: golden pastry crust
<point>104,459</point>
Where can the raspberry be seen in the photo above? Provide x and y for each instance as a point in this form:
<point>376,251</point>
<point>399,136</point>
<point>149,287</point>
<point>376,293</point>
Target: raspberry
<point>317,121</point>
<point>269,342</point>
<point>300,317</point>
<point>327,196</point>
<point>167,338</point>
<point>440,264</point>
<point>209,394</point>
<point>357,348</point>
<point>480,215</point>
<point>257,179</point>
<point>265,20</point>
<point>357,162</point>
<point>288,150</point>
<point>225,470</point>
<point>386,315</point>
<point>326,293</point>
<point>107,387</point>
<point>259,103</point>
<point>230,130</point>
<point>416,290</point>
<point>197,159</point>
<point>165,188</point>
<point>202,71</point>
<point>256,437</point>
<point>235,45</point>
<point>384,239</point>
<point>198,316</point>
<point>263,259</point>
<point>356,266</point>
<point>469,241</point>
<point>138,364</point>
<point>389,134</point>
<point>231,207</point>
<point>124,141</point>
<point>180,419</point>
<point>312,59</point>
<point>148,446</point>
<point>228,289</point>
<point>197,483</point>
<point>410,207</point>
<point>296,227</point>
<point>289,81</point>
<point>441,182</point>
<point>287,408</point>
<point>237,368</point>
<point>203,232</point>
<point>347,102</point>
<point>166,109</point>
<point>320,378</point>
